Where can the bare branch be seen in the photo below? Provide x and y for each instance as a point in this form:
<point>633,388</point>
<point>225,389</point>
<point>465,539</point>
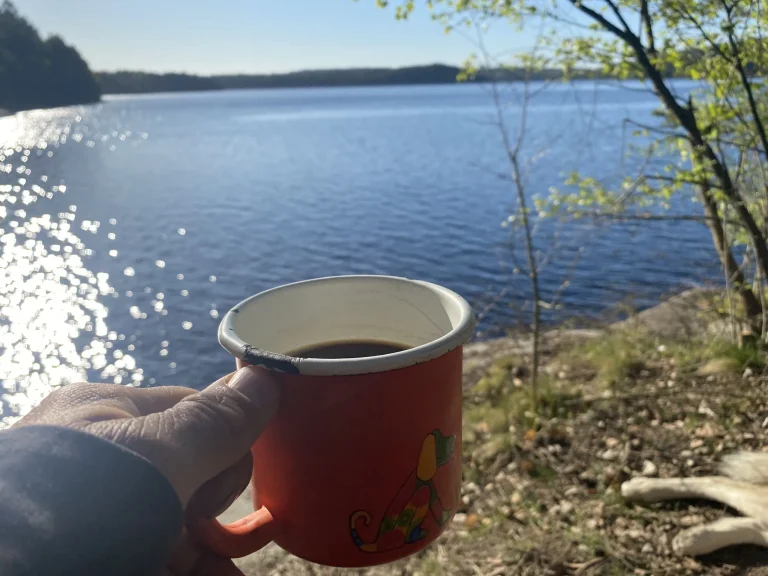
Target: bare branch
<point>662,178</point>
<point>700,29</point>
<point>603,21</point>
<point>657,129</point>
<point>617,13</point>
<point>648,24</point>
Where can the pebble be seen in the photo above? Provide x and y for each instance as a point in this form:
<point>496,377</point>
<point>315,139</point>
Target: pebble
<point>719,447</point>
<point>600,509</point>
<point>572,491</point>
<point>686,454</point>
<point>516,498</point>
<point>692,564</point>
<point>696,443</point>
<point>565,508</point>
<point>647,548</point>
<point>691,520</point>
<point>612,442</point>
<point>459,518</point>
<point>649,468</point>
<point>705,431</point>
<point>610,454</point>
<point>747,373</point>
<point>663,543</point>
<point>706,410</point>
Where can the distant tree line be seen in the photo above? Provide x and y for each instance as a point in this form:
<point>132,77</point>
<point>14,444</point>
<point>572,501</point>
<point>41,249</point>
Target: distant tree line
<point>37,73</point>
<point>140,82</point>
<point>143,82</point>
<point>136,82</point>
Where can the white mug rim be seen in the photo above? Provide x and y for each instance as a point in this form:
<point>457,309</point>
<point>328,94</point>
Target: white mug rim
<point>458,335</point>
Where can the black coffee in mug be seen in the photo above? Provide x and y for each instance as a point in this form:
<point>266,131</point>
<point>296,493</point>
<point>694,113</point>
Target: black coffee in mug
<point>349,349</point>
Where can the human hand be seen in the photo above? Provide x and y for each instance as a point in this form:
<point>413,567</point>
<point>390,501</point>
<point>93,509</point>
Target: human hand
<point>200,441</point>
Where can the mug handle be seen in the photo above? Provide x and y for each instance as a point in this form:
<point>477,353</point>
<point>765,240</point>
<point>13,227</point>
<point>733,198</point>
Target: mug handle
<point>238,539</point>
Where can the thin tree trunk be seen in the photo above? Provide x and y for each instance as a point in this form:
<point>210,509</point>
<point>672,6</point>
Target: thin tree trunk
<point>733,273</point>
<point>533,273</point>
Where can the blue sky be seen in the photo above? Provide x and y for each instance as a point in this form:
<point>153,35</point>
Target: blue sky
<point>226,36</point>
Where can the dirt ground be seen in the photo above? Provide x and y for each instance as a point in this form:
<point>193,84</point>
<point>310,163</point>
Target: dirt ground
<point>541,492</point>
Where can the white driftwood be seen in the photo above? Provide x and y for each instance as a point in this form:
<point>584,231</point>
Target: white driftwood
<point>744,491</point>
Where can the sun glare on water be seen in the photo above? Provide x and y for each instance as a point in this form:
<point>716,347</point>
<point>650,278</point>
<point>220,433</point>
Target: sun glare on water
<point>53,317</point>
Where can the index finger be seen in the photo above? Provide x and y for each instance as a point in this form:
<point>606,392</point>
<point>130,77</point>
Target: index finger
<point>160,399</point>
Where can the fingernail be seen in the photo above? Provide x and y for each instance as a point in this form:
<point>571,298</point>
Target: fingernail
<point>256,384</point>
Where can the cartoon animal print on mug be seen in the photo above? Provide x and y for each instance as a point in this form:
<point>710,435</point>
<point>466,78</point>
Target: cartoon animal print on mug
<point>416,505</point>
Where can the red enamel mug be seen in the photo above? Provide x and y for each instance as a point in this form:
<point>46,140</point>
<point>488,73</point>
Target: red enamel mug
<point>362,463</point>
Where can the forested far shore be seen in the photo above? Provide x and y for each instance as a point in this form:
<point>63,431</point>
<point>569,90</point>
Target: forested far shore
<point>145,82</point>
<point>38,73</point>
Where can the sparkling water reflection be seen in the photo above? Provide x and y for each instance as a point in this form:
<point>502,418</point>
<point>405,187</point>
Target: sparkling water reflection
<point>53,307</point>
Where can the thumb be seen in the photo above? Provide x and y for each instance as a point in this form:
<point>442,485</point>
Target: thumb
<point>205,433</point>
<point>214,429</point>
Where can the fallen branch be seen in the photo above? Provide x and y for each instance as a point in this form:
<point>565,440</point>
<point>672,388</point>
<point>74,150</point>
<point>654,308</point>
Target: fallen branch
<point>740,491</point>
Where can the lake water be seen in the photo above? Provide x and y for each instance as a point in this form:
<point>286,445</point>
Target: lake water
<point>128,228</point>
